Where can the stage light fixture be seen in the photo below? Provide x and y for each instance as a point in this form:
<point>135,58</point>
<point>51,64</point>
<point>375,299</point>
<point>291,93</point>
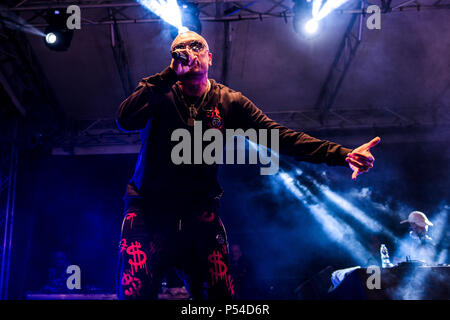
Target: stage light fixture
<point>311,26</point>
<point>50,38</point>
<point>57,36</point>
<point>309,14</point>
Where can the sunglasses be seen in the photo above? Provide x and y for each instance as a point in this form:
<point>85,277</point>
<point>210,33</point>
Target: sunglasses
<point>194,45</point>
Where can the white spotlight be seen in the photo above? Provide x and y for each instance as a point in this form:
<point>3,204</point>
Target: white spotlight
<point>311,26</point>
<point>182,29</point>
<point>50,38</point>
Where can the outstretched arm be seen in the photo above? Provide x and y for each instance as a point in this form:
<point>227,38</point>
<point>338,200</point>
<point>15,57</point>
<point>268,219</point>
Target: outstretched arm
<point>301,145</point>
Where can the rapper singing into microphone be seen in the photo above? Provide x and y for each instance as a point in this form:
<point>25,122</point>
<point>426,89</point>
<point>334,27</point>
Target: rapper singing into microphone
<point>171,219</point>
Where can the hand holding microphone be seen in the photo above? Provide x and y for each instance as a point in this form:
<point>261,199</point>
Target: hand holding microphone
<point>181,56</point>
<point>182,62</point>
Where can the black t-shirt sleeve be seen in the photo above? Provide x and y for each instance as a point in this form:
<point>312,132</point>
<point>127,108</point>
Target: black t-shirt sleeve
<point>293,143</point>
<point>139,107</point>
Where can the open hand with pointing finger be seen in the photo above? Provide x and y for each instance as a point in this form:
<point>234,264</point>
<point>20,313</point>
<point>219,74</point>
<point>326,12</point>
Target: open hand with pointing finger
<point>360,159</point>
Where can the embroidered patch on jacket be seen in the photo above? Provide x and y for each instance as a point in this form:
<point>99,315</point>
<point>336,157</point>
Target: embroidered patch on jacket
<point>214,119</point>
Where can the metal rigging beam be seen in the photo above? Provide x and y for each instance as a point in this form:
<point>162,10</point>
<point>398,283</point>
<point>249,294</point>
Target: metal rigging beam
<point>25,82</point>
<point>101,136</point>
<point>32,12</point>
<point>341,63</point>
<point>8,177</point>
<point>120,57</point>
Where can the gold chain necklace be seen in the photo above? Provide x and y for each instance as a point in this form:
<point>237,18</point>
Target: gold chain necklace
<point>193,108</point>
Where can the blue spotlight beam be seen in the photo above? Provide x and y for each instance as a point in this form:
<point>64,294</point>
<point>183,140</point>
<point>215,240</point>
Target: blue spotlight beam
<point>319,12</point>
<point>336,229</point>
<point>13,21</point>
<point>168,10</point>
<point>345,205</point>
<point>352,210</point>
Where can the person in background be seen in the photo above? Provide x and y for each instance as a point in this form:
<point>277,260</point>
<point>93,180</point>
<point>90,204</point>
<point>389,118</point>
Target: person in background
<point>419,224</point>
<point>57,276</point>
<point>418,245</point>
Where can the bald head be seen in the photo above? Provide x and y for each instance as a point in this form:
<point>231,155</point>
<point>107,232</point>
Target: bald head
<point>188,36</point>
<point>195,71</point>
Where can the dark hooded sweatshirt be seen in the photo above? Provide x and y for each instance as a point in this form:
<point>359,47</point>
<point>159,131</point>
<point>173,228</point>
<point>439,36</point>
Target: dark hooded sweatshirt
<point>156,109</point>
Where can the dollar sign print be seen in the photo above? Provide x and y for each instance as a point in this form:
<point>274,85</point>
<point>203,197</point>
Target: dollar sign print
<point>123,245</point>
<point>133,284</point>
<point>220,268</point>
<point>139,257</point>
<point>130,217</point>
<point>126,279</point>
<point>230,285</point>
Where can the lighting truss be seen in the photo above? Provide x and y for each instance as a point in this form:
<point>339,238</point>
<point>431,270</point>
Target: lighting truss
<point>8,177</point>
<point>126,12</point>
<point>101,136</point>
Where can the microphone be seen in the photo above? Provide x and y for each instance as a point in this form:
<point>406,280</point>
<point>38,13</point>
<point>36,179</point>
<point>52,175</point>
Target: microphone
<point>183,57</point>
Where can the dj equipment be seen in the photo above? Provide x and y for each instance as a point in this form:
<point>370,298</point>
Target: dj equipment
<point>409,280</point>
